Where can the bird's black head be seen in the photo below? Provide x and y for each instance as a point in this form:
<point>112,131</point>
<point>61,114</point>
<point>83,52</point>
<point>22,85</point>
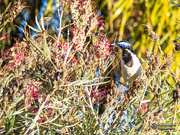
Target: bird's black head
<point>127,48</point>
<point>123,45</point>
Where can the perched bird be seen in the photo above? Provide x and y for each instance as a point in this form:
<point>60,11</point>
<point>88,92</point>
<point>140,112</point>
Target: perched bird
<point>131,67</point>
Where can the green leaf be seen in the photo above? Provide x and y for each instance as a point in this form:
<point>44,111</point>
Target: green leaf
<point>33,28</point>
<point>177,115</point>
<point>167,91</point>
<point>10,124</point>
<point>42,22</point>
<point>35,46</point>
<point>45,47</point>
<point>168,104</point>
<point>37,23</point>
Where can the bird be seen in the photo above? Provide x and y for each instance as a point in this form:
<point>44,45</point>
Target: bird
<point>131,67</point>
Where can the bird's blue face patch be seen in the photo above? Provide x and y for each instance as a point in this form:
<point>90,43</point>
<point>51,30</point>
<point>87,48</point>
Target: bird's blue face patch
<point>123,44</point>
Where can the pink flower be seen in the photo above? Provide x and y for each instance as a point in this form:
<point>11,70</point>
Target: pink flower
<point>49,110</point>
<point>99,95</point>
<point>65,47</point>
<point>143,108</point>
<point>33,93</point>
<point>47,102</point>
<point>79,39</point>
<point>34,110</point>
<point>6,52</point>
<point>95,23</point>
<point>74,29</point>
<point>4,36</point>
<point>19,58</point>
<point>104,46</point>
<point>73,59</point>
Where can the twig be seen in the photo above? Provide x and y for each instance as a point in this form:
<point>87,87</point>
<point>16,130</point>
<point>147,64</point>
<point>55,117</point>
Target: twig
<point>60,23</point>
<point>90,102</point>
<point>165,59</point>
<point>91,105</point>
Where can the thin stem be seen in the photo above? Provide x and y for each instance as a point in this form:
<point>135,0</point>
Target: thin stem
<point>60,23</point>
<point>165,59</point>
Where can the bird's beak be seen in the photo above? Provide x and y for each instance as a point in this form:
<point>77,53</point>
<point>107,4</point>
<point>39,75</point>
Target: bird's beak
<point>114,44</point>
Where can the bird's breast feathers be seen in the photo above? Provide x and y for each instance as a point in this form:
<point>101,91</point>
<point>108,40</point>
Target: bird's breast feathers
<point>131,73</point>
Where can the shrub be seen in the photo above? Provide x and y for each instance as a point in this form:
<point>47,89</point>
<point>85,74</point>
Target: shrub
<point>57,83</point>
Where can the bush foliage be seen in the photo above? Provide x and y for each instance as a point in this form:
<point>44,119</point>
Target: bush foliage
<point>58,83</point>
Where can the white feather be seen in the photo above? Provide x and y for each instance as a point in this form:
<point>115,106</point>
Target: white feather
<point>130,74</point>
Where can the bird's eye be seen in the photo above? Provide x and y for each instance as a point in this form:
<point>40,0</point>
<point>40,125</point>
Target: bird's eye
<point>123,44</point>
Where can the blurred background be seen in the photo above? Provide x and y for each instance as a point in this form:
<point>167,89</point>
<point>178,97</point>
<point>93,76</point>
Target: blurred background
<point>123,21</point>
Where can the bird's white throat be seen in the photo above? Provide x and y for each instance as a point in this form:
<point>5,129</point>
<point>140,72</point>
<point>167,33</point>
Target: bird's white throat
<point>130,74</point>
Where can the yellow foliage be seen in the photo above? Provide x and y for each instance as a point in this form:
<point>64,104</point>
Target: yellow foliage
<point>163,18</point>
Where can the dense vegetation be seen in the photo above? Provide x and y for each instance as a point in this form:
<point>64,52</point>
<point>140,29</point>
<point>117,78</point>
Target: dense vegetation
<point>63,79</point>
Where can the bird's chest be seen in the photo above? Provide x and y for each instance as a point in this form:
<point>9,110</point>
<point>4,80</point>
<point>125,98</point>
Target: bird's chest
<point>130,71</point>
